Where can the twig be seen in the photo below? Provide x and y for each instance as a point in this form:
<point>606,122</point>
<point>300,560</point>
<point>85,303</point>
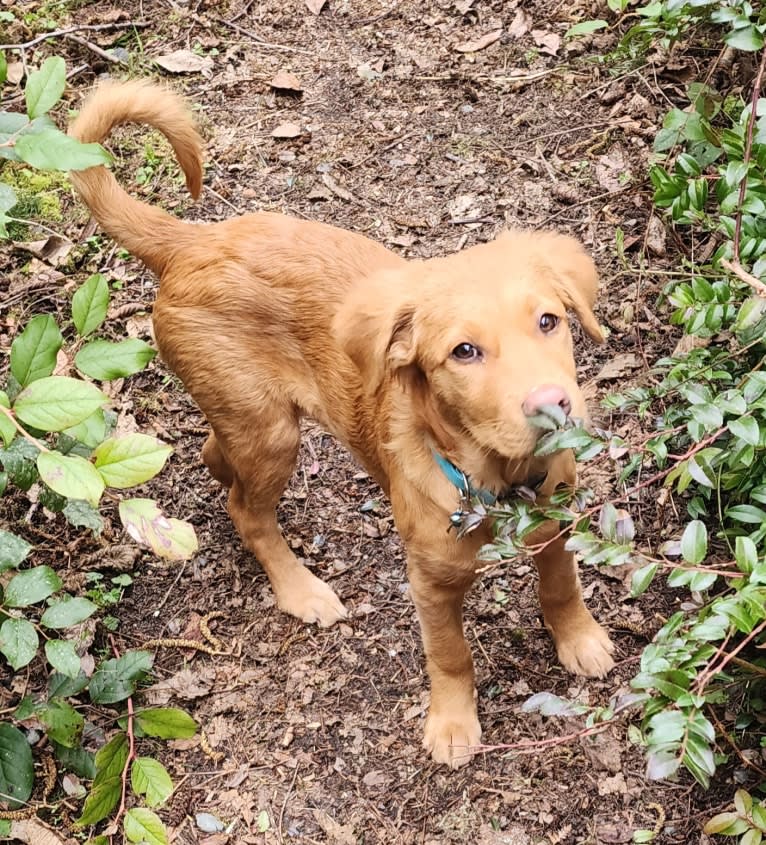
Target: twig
<point>94,48</point>
<point>705,677</point>
<point>722,732</point>
<point>131,746</point>
<point>57,33</point>
<point>748,151</point>
<point>257,38</point>
<point>530,746</point>
<point>739,271</point>
<point>284,804</point>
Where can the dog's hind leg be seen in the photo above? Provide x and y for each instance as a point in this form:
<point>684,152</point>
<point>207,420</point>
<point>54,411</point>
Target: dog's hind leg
<point>216,462</point>
<point>261,465</point>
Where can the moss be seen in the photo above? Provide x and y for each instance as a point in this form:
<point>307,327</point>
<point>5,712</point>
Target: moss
<point>38,192</point>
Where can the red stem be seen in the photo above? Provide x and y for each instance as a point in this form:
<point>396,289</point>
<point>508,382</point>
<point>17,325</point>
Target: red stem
<point>131,748</point>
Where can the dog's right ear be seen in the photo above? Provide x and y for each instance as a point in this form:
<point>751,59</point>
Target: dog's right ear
<point>377,331</point>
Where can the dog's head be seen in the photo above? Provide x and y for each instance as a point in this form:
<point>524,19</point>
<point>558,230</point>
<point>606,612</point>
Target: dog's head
<point>480,339</point>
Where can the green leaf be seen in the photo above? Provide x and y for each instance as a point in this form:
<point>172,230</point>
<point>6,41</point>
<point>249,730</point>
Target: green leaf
<point>57,402</point>
<point>104,360</point>
<point>743,802</point>
<point>91,431</point>
<point>61,686</point>
<point>3,67</point>
<point>107,785</point>
<point>62,722</point>
<point>31,586</point>
<point>45,86</point>
<point>82,515</point>
<point>728,824</point>
<point>17,770</point>
<point>748,38</point>
<point>76,760</point>
<point>90,304</point>
<point>641,579</point>
<point>115,679</point>
<point>747,513</point>
<point>146,524</point>
<point>585,28</point>
<point>694,542</point>
<point>166,723</point>
<point>667,726</point>
<point>33,352</point>
<point>71,476</point>
<point>752,837</point>
<point>7,428</point>
<point>150,778</point>
<point>262,822</point>
<point>13,550</point>
<point>63,657</point>
<point>746,428</point>
<point>67,612</point>
<point>51,149</point>
<point>18,642</point>
<point>144,826</point>
<point>130,460</point>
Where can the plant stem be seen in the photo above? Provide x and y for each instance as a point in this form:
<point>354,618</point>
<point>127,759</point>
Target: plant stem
<point>748,152</point>
<point>131,747</point>
<point>25,434</point>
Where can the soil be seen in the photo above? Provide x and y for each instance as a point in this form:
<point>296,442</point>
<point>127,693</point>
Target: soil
<point>399,132</point>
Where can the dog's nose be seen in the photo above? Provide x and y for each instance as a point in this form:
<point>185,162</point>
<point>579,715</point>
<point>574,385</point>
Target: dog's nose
<point>548,394</point>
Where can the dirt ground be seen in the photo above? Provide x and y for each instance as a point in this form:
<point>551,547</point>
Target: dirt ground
<point>399,123</point>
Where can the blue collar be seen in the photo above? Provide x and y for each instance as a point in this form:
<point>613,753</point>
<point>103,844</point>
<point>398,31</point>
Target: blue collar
<point>460,480</point>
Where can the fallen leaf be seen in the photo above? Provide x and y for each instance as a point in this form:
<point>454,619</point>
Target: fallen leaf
<point>14,72</point>
<point>208,823</point>
<point>315,6</point>
<point>614,785</point>
<point>184,61</point>
<point>521,24</point>
<point>365,71</point>
<point>464,6</point>
<point>618,367</point>
<point>376,778</point>
<point>548,42</point>
<point>34,832</point>
<point>611,170</point>
<point>337,834</point>
<point>286,130</point>
<point>286,81</point>
<point>480,43</point>
<point>655,236</point>
<point>339,190</point>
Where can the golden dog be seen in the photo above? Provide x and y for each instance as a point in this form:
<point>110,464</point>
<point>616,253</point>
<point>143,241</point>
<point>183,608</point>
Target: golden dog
<point>267,319</point>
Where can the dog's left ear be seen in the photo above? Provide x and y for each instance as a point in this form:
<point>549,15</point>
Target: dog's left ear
<point>576,279</point>
<point>375,326</point>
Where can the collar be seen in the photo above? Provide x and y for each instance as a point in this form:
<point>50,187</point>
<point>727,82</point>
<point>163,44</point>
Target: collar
<point>471,511</point>
<point>460,480</point>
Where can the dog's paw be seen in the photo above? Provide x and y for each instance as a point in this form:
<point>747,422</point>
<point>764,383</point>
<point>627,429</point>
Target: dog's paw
<point>451,739</point>
<point>311,600</point>
<point>586,650</point>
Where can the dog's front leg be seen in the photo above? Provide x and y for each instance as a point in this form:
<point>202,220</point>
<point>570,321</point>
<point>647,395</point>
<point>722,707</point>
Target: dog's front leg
<point>583,646</point>
<point>452,726</point>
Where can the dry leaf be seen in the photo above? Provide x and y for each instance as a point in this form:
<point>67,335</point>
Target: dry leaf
<point>184,61</point>
<point>618,367</point>
<point>315,6</point>
<point>464,6</point>
<point>339,190</point>
<point>521,24</point>
<point>337,834</point>
<point>34,832</point>
<point>548,42</point>
<point>655,236</point>
<point>286,81</point>
<point>480,43</point>
<point>286,130</point>
<point>14,72</point>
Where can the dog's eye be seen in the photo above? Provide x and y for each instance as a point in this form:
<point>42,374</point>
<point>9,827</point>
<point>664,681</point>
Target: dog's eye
<point>466,352</point>
<point>548,323</point>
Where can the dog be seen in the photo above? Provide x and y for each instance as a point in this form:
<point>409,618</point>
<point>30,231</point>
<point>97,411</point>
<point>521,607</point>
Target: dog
<point>426,370</point>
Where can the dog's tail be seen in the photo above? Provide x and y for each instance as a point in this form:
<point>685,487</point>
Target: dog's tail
<point>148,232</point>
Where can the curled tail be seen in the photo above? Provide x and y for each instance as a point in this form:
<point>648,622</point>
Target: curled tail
<point>148,232</point>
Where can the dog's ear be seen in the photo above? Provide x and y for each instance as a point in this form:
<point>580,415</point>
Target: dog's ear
<point>576,279</point>
<point>376,329</point>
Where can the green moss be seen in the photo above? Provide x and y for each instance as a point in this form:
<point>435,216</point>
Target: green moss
<point>38,192</point>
